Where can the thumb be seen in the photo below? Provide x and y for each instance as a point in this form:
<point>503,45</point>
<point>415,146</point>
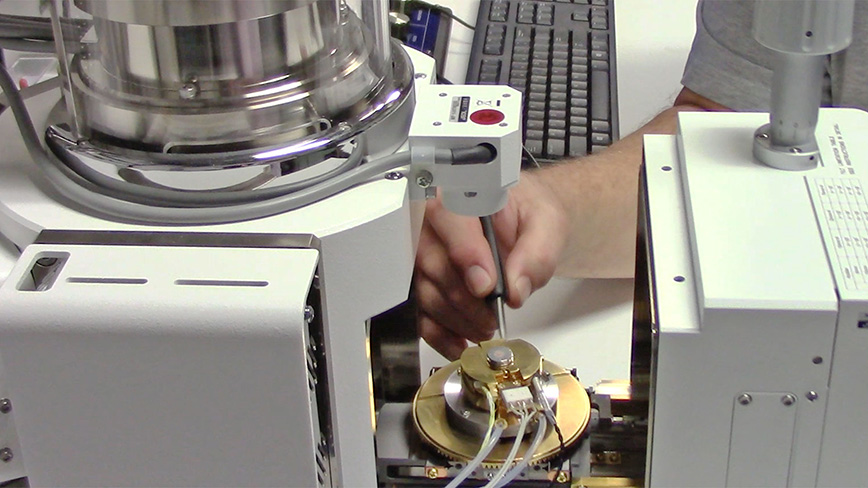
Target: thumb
<point>533,259</point>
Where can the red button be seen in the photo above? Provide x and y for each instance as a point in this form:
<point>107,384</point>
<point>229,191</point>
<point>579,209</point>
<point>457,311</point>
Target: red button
<point>487,117</point>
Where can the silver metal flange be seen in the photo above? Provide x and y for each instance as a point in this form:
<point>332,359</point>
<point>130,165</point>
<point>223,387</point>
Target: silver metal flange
<point>790,158</point>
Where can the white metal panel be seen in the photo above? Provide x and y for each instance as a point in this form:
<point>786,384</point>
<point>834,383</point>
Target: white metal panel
<point>761,443</point>
<point>747,340</point>
<point>755,240</point>
<point>12,466</point>
<point>843,458</point>
<point>122,376</point>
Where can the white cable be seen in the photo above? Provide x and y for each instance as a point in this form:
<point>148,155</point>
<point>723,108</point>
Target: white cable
<point>525,460</point>
<point>491,414</point>
<point>522,426</point>
<point>484,450</point>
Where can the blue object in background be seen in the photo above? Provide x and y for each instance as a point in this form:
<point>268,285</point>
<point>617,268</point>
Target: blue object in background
<point>423,30</point>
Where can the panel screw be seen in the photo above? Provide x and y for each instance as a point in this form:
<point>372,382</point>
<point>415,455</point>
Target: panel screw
<point>5,405</point>
<point>421,76</point>
<point>442,94</point>
<point>309,314</point>
<point>788,399</point>
<point>818,360</point>
<point>812,395</point>
<point>424,179</point>
<point>432,473</point>
<point>437,124</point>
<point>470,194</point>
<point>394,175</point>
<point>503,124</point>
<point>744,399</point>
<point>6,455</point>
<point>189,90</point>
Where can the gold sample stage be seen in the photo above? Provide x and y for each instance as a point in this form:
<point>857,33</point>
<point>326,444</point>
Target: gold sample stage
<point>451,412</point>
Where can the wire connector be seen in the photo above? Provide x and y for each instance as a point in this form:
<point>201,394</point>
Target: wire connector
<point>517,399</point>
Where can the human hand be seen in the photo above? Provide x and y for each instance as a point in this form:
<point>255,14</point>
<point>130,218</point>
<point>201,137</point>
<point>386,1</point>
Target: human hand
<point>455,270</point>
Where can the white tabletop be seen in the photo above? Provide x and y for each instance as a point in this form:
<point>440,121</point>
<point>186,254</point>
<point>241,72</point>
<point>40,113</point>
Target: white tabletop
<point>586,324</point>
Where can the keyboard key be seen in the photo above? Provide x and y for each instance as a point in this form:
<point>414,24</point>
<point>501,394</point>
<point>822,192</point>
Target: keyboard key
<point>534,146</point>
<point>536,115</point>
<point>534,134</point>
<point>576,122</point>
<point>555,148</point>
<point>600,65</point>
<point>599,36</point>
<point>600,95</point>
<point>557,124</point>
<point>601,139</point>
<point>557,133</point>
<point>578,130</point>
<point>599,55</point>
<point>535,125</point>
<point>600,126</point>
<point>578,146</point>
<point>599,23</point>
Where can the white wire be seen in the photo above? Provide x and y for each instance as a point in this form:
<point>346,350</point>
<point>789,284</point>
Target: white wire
<point>491,415</point>
<point>525,460</point>
<point>476,461</point>
<point>522,426</point>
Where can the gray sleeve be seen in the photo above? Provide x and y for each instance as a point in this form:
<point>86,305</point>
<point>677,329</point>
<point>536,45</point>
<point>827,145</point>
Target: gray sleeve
<point>725,63</point>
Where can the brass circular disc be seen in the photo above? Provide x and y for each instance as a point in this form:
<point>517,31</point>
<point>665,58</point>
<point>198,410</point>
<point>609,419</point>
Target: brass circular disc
<point>474,362</point>
<point>573,411</point>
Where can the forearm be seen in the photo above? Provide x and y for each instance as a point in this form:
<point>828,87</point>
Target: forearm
<point>599,196</point>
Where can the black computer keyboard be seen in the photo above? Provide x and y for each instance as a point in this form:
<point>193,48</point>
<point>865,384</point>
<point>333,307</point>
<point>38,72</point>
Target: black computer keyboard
<point>561,55</point>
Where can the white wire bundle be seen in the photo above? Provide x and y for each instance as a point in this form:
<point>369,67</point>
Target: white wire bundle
<point>492,437</point>
<point>525,460</point>
<point>522,426</point>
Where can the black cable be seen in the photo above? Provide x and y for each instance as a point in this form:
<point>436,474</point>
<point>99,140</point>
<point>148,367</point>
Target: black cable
<point>559,461</point>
